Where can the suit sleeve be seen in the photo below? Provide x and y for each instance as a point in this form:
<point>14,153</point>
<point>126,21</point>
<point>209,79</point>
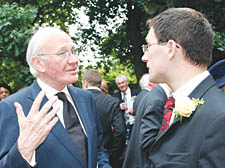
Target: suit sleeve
<point>212,150</point>
<point>151,122</point>
<point>102,157</point>
<point>119,129</point>
<point>10,157</point>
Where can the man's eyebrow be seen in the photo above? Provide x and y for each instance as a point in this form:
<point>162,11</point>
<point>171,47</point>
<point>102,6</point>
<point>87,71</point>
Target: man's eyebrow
<point>61,48</point>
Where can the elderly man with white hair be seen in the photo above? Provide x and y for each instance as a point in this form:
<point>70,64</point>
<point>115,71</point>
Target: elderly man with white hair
<point>51,124</point>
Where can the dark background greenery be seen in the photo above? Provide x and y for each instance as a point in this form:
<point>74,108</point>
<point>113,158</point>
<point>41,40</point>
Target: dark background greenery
<point>120,51</point>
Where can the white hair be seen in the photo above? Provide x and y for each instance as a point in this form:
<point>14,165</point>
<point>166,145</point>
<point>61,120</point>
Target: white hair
<point>144,81</point>
<point>124,77</point>
<point>35,45</point>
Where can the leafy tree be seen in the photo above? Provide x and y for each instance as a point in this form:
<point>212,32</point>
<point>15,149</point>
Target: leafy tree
<point>18,20</point>
<point>15,30</point>
<point>125,43</point>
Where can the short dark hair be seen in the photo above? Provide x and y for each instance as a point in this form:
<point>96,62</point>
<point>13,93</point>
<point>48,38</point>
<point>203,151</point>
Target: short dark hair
<point>93,77</point>
<point>190,29</point>
<point>4,85</point>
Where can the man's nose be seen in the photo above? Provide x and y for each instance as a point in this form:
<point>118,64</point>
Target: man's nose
<point>144,58</point>
<point>73,58</point>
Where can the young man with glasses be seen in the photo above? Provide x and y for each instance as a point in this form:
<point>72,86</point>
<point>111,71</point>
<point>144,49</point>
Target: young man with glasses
<point>178,52</point>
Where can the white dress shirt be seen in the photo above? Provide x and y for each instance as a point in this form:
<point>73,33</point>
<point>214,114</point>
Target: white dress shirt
<point>128,97</point>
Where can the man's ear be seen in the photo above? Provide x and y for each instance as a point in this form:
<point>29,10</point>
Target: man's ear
<point>38,64</point>
<point>172,48</point>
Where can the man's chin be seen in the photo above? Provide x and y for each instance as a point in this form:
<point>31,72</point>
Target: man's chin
<point>73,80</point>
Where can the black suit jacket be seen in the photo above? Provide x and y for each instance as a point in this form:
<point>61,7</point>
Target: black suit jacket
<point>139,98</point>
<point>197,141</point>
<point>151,108</point>
<point>110,114</point>
<point>134,92</point>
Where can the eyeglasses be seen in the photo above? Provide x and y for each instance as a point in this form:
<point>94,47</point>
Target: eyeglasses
<point>146,47</point>
<point>64,53</point>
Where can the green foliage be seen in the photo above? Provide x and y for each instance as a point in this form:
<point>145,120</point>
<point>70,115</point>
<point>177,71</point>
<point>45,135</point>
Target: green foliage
<point>126,39</point>
<point>18,19</point>
<point>116,68</point>
<point>16,29</point>
<point>109,70</point>
<point>14,74</point>
<point>219,41</point>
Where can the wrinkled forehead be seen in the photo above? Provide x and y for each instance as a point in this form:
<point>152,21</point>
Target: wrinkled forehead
<point>57,40</point>
<point>121,80</point>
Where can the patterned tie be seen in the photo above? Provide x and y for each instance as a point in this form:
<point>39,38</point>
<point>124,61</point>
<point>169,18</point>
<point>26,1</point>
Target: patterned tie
<point>73,126</point>
<point>167,112</point>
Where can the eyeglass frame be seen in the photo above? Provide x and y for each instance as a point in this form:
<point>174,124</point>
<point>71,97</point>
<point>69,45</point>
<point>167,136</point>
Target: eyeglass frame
<point>73,52</point>
<point>146,47</point>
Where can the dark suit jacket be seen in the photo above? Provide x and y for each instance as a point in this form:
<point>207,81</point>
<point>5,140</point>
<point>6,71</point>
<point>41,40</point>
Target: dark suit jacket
<point>57,150</point>
<point>197,141</point>
<point>110,114</point>
<point>151,109</point>
<point>139,98</point>
<point>134,92</point>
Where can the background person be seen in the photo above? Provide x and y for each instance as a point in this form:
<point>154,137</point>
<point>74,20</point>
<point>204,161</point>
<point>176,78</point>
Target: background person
<point>146,86</point>
<point>104,87</point>
<point>110,116</point>
<point>150,109</point>
<point>5,90</point>
<point>218,72</point>
<point>126,96</point>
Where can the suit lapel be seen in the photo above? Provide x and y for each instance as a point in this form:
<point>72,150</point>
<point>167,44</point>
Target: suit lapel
<point>198,92</point>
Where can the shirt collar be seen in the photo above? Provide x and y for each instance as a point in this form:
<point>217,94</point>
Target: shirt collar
<point>167,92</point>
<point>128,91</point>
<point>93,87</point>
<point>50,91</point>
<point>188,87</point>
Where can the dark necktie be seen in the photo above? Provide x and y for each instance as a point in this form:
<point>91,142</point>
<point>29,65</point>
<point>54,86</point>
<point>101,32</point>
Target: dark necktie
<point>73,126</point>
<point>124,98</point>
<point>125,101</point>
<point>167,112</point>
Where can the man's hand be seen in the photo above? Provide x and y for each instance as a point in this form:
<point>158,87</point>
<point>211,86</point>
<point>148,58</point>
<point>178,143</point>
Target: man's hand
<point>35,127</point>
<point>130,111</point>
<point>123,106</point>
